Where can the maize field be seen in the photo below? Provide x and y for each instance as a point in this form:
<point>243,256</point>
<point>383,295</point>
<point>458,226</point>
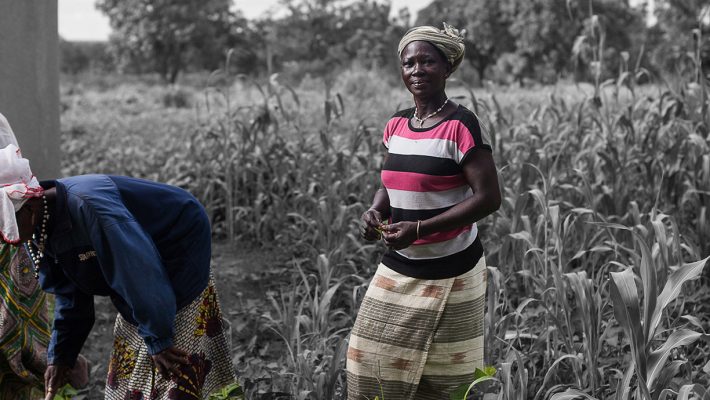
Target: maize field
<point>596,285</point>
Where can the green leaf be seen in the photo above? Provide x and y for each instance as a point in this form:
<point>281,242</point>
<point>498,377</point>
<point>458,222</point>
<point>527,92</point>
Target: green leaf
<point>459,393</point>
<point>462,392</point>
<point>486,371</point>
<point>232,391</point>
<point>67,392</point>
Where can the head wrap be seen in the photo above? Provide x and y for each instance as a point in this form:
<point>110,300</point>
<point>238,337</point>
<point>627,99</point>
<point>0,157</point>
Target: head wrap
<point>448,40</point>
<point>17,183</point>
<point>6,134</point>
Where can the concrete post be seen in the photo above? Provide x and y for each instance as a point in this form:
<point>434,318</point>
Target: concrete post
<point>29,80</point>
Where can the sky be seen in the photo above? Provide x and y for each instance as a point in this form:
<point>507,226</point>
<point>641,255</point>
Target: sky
<point>79,19</point>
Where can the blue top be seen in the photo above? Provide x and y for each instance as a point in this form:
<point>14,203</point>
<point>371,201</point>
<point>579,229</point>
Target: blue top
<point>145,244</point>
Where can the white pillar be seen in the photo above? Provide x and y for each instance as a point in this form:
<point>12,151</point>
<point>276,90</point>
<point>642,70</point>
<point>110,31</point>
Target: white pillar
<point>29,80</point>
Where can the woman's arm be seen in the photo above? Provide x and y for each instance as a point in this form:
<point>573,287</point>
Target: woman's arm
<point>479,170</point>
<point>73,314</point>
<point>378,212</point>
<point>128,257</point>
<point>73,320</point>
<point>480,173</point>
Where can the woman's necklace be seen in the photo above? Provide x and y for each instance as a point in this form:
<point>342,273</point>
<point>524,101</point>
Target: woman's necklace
<point>421,120</point>
<point>40,241</point>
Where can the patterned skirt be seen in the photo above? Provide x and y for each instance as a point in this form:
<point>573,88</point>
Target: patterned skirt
<point>198,331</point>
<point>24,328</point>
<point>416,338</point>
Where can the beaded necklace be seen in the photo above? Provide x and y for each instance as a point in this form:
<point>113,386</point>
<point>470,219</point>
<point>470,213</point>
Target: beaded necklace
<point>39,241</point>
<point>421,120</point>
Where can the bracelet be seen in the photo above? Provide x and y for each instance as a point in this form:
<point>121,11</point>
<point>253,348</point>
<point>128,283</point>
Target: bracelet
<point>419,223</point>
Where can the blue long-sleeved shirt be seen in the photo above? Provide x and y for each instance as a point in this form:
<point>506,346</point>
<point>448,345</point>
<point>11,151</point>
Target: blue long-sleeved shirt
<point>145,244</point>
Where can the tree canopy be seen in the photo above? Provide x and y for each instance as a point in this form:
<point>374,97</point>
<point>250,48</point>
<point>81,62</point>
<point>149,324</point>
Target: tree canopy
<point>321,37</point>
<point>530,38</point>
<point>507,40</point>
<point>682,24</point>
<point>166,34</point>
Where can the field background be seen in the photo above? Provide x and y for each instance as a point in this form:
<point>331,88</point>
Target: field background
<point>293,274</point>
<point>596,258</point>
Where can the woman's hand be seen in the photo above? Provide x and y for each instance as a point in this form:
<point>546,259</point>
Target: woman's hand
<point>169,361</point>
<point>371,225</point>
<point>55,377</point>
<point>400,235</point>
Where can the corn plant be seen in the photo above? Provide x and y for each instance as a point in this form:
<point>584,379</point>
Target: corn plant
<point>603,191</point>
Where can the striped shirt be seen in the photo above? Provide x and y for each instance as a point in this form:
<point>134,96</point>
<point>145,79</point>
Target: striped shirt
<point>423,177</point>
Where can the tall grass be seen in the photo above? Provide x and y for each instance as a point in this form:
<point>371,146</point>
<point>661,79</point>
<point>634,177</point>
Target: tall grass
<point>595,256</point>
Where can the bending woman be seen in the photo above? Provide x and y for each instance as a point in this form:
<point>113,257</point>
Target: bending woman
<point>144,244</point>
<point>419,331</point>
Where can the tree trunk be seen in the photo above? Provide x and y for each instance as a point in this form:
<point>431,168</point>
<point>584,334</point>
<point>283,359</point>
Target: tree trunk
<point>174,74</point>
<point>481,69</point>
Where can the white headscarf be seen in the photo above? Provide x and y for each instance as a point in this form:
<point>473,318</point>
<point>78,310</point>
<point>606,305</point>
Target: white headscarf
<point>17,183</point>
<point>6,134</point>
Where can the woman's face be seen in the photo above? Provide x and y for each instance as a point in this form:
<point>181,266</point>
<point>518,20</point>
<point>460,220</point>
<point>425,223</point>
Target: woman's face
<point>424,69</point>
<point>27,218</point>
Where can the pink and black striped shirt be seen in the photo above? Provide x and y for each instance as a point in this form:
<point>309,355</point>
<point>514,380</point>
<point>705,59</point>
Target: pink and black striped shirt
<point>424,178</point>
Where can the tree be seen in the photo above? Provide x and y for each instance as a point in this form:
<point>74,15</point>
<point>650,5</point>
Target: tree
<point>79,56</point>
<point>322,37</point>
<point>682,25</point>
<point>610,28</point>
<point>531,38</point>
<point>487,35</point>
<point>166,34</point>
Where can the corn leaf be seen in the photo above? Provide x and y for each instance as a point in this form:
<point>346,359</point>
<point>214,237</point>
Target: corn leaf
<point>551,371</point>
<point>571,394</point>
<point>650,289</point>
<point>462,392</point>
<point>668,372</point>
<point>625,298</point>
<point>686,390</point>
<point>672,289</point>
<point>623,388</point>
<point>658,358</point>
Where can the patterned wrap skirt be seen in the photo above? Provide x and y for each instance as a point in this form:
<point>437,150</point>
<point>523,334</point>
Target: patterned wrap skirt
<point>199,331</point>
<point>24,327</point>
<point>416,338</point>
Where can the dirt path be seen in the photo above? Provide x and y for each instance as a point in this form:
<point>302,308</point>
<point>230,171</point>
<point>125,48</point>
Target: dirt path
<point>243,278</point>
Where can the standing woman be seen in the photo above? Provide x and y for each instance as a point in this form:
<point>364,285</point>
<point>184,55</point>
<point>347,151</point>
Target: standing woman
<point>419,331</point>
<point>144,244</point>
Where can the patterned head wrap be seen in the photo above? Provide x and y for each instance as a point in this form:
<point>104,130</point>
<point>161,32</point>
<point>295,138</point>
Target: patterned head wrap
<point>449,41</point>
<point>17,183</point>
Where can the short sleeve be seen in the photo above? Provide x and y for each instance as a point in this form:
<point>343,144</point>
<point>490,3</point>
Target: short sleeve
<point>395,124</point>
<point>387,134</point>
<point>471,135</point>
